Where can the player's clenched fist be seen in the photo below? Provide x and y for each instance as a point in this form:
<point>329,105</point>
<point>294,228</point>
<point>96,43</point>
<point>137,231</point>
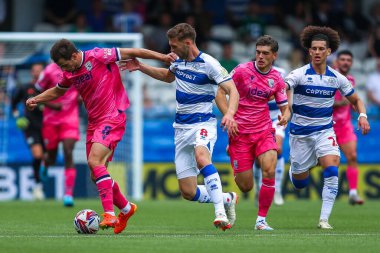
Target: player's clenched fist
<point>31,103</point>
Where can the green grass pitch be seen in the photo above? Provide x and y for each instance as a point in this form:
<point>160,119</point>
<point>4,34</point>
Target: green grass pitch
<point>181,226</point>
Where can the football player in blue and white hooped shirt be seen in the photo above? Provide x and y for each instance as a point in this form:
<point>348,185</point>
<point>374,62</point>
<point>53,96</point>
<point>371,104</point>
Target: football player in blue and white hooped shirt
<point>312,138</point>
<point>197,77</point>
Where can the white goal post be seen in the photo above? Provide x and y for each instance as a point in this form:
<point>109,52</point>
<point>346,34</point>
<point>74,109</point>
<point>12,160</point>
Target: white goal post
<point>29,42</point>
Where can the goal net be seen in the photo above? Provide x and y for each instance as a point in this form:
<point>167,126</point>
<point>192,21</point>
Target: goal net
<point>23,49</point>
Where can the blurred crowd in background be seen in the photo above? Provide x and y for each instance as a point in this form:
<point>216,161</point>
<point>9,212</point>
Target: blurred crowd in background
<point>226,29</point>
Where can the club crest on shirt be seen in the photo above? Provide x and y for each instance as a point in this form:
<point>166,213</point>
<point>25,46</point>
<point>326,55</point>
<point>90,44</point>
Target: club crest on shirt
<point>88,66</point>
<point>270,82</point>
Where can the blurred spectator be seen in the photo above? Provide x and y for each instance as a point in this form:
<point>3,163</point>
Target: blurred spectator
<point>179,9</point>
<point>236,11</point>
<point>128,20</point>
<point>80,25</point>
<point>227,61</point>
<point>253,26</point>
<point>269,11</point>
<point>375,13</point>
<point>155,8</point>
<point>321,14</point>
<point>60,14</point>
<point>97,18</point>
<point>3,13</point>
<point>374,42</point>
<point>157,40</point>
<point>296,58</point>
<point>373,86</point>
<point>351,24</point>
<point>297,20</point>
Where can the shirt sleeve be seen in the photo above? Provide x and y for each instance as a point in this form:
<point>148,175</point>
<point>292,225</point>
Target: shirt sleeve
<point>64,84</point>
<point>107,55</point>
<point>345,86</point>
<point>280,93</point>
<point>217,72</point>
<point>236,76</point>
<point>292,79</point>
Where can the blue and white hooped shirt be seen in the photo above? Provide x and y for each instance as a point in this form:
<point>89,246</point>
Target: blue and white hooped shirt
<point>313,98</point>
<point>196,86</point>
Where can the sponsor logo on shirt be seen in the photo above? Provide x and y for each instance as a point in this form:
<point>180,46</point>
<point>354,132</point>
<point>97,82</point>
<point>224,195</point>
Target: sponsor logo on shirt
<point>259,93</point>
<point>80,80</point>
<point>185,75</point>
<point>320,92</point>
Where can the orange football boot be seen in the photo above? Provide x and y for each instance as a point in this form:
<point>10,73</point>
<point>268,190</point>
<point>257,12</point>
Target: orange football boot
<point>123,219</point>
<point>108,221</point>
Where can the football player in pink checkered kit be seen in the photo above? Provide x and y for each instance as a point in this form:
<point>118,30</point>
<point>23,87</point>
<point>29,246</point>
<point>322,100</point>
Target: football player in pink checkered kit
<point>257,82</point>
<point>96,76</point>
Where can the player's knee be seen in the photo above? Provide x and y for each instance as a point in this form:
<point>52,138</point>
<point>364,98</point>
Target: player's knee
<point>300,183</point>
<point>187,195</point>
<point>352,157</point>
<point>245,186</point>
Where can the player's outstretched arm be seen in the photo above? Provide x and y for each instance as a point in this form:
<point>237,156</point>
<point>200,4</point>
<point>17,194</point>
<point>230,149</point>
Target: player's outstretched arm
<point>128,53</point>
<point>359,106</point>
<point>161,74</point>
<point>228,121</point>
<point>221,101</point>
<point>46,96</point>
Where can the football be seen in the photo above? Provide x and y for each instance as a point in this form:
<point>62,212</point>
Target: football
<point>86,222</point>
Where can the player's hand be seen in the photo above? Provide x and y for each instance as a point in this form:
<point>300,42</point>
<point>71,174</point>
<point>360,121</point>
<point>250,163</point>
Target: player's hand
<point>169,58</point>
<point>228,123</point>
<point>283,120</point>
<point>364,125</point>
<point>130,65</point>
<point>31,103</point>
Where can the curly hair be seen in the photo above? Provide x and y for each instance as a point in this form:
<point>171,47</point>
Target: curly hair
<point>313,33</point>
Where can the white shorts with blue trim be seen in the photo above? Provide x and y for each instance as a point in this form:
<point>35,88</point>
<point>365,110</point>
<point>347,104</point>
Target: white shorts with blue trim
<point>305,150</point>
<point>186,139</point>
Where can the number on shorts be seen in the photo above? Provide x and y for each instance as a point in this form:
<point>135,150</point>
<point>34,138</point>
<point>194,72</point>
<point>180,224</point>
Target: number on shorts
<point>333,141</point>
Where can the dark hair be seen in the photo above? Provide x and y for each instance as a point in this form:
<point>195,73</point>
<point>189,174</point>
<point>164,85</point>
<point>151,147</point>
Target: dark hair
<point>62,49</point>
<point>267,40</point>
<point>344,52</point>
<point>319,33</point>
<point>182,31</point>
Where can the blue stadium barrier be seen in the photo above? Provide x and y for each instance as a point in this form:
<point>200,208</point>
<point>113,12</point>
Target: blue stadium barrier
<point>159,144</point>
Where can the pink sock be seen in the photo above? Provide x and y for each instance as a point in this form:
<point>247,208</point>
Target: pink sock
<point>104,184</point>
<point>266,196</point>
<point>352,177</point>
<point>118,198</point>
<point>70,175</point>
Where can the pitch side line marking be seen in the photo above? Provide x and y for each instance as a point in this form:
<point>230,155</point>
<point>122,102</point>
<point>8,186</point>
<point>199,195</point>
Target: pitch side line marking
<point>179,235</point>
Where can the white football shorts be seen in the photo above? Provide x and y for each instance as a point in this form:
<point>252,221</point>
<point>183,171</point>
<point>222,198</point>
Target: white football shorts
<point>305,150</point>
<point>186,139</point>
